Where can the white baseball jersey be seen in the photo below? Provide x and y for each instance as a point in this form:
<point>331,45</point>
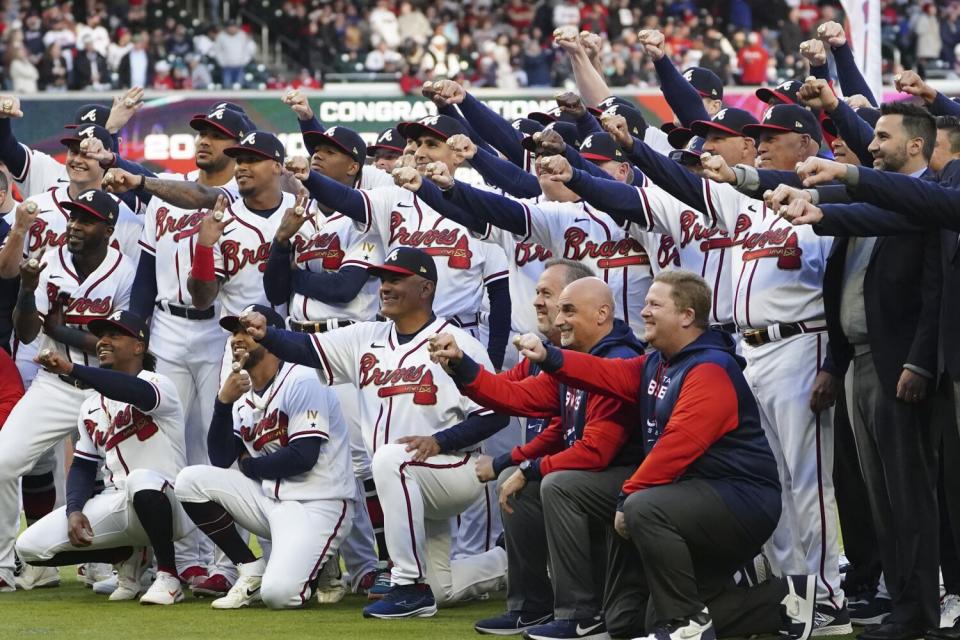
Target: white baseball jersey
<point>170,235</point>
<point>526,262</point>
<point>684,238</point>
<point>49,230</point>
<point>240,256</point>
<point>40,172</point>
<point>402,393</point>
<point>326,244</point>
<point>102,293</point>
<point>372,177</point>
<point>123,438</point>
<point>577,231</point>
<point>777,268</point>
<point>464,264</point>
<point>297,406</point>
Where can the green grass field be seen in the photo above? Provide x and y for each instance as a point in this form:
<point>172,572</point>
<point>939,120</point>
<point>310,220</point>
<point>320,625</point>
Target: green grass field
<point>75,612</point>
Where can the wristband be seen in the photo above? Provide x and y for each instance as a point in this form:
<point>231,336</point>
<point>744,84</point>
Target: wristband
<point>203,264</point>
<point>143,179</point>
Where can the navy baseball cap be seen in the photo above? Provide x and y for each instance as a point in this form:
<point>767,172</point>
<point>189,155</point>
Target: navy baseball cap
<point>612,101</point>
<point>99,204</point>
<point>228,122</point>
<point>667,127</point>
<point>553,115</point>
<point>636,123</point>
<point>388,140</point>
<point>867,114</point>
<point>274,319</point>
<point>229,106</point>
<point>440,126</point>
<point>679,137</point>
<point>601,147</point>
<point>690,154</point>
<point>124,321</point>
<point>407,261</point>
<point>786,118</point>
<point>526,126</point>
<point>569,132</point>
<point>79,134</point>
<point>783,93</point>
<point>259,143</point>
<point>345,140</point>
<point>729,121</point>
<point>706,82</point>
<point>90,114</point>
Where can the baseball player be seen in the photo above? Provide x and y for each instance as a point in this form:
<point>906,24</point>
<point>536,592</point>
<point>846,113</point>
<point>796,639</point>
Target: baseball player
<point>403,393</point>
<point>293,484</point>
<point>133,426</point>
<point>60,293</point>
<point>386,151</point>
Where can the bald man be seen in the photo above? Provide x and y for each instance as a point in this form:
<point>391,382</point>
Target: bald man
<point>563,484</point>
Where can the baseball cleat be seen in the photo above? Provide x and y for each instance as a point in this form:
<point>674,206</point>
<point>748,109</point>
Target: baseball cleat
<point>404,601</point>
<point>830,621</point>
<point>330,587</point>
<point>246,590</point>
<point>580,629</point>
<point>512,623</point>
<point>90,573</point>
<point>165,590</point>
<point>33,577</point>
<point>216,586</point>
<point>125,589</point>
<point>799,605</point>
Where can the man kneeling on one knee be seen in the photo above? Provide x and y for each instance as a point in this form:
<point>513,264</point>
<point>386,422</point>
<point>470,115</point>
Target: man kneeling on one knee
<point>706,496</point>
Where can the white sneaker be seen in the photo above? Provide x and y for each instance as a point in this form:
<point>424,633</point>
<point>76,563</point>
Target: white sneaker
<point>129,574</point>
<point>33,577</point>
<point>330,584</point>
<point>165,590</point>
<point>949,610</point>
<point>246,590</point>
<point>90,573</point>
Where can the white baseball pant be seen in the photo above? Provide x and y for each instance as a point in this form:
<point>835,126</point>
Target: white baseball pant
<point>419,498</point>
<point>805,541</point>
<point>304,534</point>
<point>189,352</point>
<point>45,415</point>
<point>112,517</point>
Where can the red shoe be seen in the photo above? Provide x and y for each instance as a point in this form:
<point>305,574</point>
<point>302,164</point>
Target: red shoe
<point>216,586</point>
<point>194,575</point>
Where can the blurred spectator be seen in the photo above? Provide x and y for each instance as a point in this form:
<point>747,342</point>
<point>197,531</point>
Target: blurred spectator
<point>200,78</point>
<point>950,34</point>
<point>752,60</point>
<point>136,68</point>
<point>413,24</point>
<point>384,26</point>
<point>536,64</point>
<point>94,30</point>
<point>203,41</point>
<point>89,67</point>
<point>233,50</point>
<point>23,75</point>
<point>927,30</point>
<point>438,60</point>
<point>53,69</point>
<point>382,58</point>
<point>33,37</point>
<point>117,50</point>
<point>566,13</point>
<point>305,81</point>
<point>162,80</point>
<point>179,44</point>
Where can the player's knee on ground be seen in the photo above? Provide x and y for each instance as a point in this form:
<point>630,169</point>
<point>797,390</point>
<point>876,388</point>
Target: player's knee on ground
<point>280,593</point>
<point>387,461</point>
<point>189,483</point>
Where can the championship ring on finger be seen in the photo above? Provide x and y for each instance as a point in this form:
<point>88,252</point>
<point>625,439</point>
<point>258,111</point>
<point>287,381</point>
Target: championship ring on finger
<point>299,210</point>
<point>31,207</point>
<point>46,353</point>
<point>218,215</point>
<point>236,367</point>
<point>33,263</point>
<point>129,103</point>
<point>7,105</point>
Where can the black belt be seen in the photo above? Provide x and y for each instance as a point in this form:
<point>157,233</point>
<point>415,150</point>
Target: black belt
<point>757,337</point>
<point>729,327</point>
<point>318,326</point>
<point>186,312</point>
<point>73,382</point>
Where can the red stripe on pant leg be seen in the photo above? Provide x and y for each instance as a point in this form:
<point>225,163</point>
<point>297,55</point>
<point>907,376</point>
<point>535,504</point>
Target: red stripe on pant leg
<point>316,567</point>
<point>413,537</point>
<point>820,498</point>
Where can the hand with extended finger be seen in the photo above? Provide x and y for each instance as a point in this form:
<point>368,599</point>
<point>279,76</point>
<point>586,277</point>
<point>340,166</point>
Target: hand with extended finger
<point>784,195</point>
<point>293,218</point>
<point>236,384</point>
<point>213,224</point>
<point>30,272</point>
<point>816,171</point>
<point>10,107</point>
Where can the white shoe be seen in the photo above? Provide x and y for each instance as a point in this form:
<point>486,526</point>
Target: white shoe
<point>949,610</point>
<point>90,573</point>
<point>33,577</point>
<point>106,586</point>
<point>246,590</point>
<point>330,584</point>
<point>129,574</point>
<point>165,590</point>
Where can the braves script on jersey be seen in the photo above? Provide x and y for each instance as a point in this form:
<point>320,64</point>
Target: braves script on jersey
<point>122,437</point>
<point>777,267</point>
<point>402,392</point>
<point>99,295</point>
<point>328,243</point>
<point>577,231</point>
<point>684,238</point>
<point>464,264</point>
<point>240,256</point>
<point>49,230</point>
<point>297,406</point>
<point>170,234</point>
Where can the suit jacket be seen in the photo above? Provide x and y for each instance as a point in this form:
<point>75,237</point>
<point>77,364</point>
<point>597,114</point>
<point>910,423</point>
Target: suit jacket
<point>124,70</point>
<point>950,300</point>
<point>82,70</point>
<point>901,290</point>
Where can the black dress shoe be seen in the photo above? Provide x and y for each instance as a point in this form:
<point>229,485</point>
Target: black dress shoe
<point>945,633</point>
<point>892,631</point>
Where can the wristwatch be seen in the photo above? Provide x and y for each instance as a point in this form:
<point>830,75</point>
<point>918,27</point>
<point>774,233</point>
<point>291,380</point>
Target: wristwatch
<point>525,468</point>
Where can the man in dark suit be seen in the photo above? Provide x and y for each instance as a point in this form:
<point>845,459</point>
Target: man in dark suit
<point>89,68</point>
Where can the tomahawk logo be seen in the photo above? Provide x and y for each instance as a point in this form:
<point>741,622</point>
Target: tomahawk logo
<point>588,142</point>
<point>331,130</point>
<point>86,133</point>
<point>720,114</point>
<point>688,75</point>
<point>250,139</point>
<point>612,111</point>
<point>89,116</point>
<point>88,196</point>
<point>216,115</point>
<point>430,121</point>
<point>387,136</point>
<point>768,114</point>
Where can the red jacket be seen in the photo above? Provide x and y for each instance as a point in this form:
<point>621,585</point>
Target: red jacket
<point>11,386</point>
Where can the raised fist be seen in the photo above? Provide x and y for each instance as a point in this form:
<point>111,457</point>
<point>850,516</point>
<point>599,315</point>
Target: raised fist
<point>530,347</point>
<point>814,52</point>
<point>592,43</point>
<point>54,362</point>
<point>832,34</point>
<point>120,181</point>
<point>445,351</point>
<point>548,142</point>
<point>716,168</point>
<point>439,174</point>
<point>10,107</point>
<point>784,195</point>
<point>407,178</point>
<point>568,39</point>
<point>25,216</point>
<point>653,42</point>
<point>298,103</point>
<point>817,94</point>
<point>554,168</point>
<point>298,166</point>
<point>463,146</point>
<point>815,171</point>
<point>857,101</point>
<point>910,82</point>
<point>571,103</point>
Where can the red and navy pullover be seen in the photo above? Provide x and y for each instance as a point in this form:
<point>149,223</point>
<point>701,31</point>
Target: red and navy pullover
<point>700,420</point>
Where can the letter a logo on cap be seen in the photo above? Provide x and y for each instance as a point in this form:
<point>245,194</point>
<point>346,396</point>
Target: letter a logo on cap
<point>588,142</point>
<point>88,196</point>
<point>331,131</point>
<point>430,121</point>
<point>86,133</point>
<point>250,139</point>
<point>89,115</point>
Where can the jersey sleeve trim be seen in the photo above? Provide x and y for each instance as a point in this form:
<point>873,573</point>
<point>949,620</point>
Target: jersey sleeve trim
<point>92,457</point>
<point>708,198</point>
<point>26,165</point>
<point>146,247</point>
<point>327,369</point>
<point>500,275</point>
<point>310,434</point>
<point>356,263</point>
<point>647,215</point>
<point>482,411</point>
<point>368,206</point>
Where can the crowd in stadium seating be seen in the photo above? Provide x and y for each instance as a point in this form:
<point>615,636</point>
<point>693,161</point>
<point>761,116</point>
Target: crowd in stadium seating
<point>502,43</point>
